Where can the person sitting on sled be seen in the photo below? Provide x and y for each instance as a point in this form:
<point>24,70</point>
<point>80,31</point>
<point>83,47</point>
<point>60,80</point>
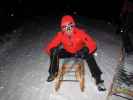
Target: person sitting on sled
<point>73,42</point>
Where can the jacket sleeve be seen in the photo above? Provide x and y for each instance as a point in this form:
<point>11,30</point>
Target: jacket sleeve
<point>89,42</point>
<point>53,43</point>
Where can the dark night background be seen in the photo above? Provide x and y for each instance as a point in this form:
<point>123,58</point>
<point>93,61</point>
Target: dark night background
<point>13,12</point>
<point>84,7</point>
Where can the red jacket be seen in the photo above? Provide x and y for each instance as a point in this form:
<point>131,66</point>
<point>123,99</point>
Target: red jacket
<point>77,41</point>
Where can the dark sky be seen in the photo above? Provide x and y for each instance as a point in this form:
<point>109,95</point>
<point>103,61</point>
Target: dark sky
<point>89,8</point>
<point>44,7</point>
<point>95,6</point>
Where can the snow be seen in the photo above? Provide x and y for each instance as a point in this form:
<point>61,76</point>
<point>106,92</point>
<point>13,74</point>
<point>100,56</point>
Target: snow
<point>25,66</point>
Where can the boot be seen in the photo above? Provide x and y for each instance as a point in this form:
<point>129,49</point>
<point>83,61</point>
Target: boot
<point>51,77</point>
<point>100,85</point>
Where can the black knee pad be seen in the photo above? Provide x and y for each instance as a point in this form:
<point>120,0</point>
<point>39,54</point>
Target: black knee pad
<point>85,50</point>
<point>54,51</point>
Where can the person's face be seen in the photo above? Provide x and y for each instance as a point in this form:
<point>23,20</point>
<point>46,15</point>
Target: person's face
<point>68,28</point>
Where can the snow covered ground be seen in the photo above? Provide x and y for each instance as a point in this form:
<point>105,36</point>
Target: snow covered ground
<point>24,66</point>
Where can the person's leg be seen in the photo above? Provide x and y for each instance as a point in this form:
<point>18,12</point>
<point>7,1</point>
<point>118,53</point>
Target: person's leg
<point>56,53</point>
<point>53,68</point>
<point>94,68</point>
<point>53,61</point>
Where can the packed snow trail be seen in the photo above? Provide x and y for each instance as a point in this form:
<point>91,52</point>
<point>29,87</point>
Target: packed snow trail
<point>26,67</point>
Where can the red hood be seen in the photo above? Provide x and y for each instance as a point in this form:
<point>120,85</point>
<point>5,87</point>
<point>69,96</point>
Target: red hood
<point>67,19</point>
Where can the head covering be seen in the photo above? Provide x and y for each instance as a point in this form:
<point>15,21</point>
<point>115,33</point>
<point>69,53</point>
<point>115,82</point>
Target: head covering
<point>67,19</point>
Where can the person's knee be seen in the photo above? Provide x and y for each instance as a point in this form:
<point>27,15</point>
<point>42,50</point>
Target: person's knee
<point>54,51</point>
<point>83,53</point>
<point>85,50</point>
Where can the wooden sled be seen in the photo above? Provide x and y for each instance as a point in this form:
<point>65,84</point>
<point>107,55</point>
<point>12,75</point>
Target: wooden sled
<point>73,66</point>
